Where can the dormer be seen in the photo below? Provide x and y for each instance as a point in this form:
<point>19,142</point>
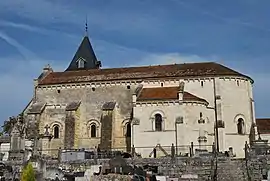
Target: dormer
<point>81,63</point>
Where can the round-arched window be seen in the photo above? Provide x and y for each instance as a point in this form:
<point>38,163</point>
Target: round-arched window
<point>158,122</point>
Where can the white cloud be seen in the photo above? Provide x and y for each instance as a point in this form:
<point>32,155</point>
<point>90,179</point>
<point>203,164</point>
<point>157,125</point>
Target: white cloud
<point>17,84</point>
<point>169,58</point>
<point>35,29</point>
<point>53,12</point>
<point>39,10</point>
<point>27,54</point>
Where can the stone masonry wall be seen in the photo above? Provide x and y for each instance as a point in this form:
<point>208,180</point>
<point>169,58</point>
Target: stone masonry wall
<point>228,169</point>
<point>70,130</point>
<point>106,130</point>
<point>92,101</point>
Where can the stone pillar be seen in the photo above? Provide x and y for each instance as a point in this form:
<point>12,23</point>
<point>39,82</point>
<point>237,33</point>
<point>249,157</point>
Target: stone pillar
<point>133,151</point>
<point>181,91</point>
<point>1,153</point>
<point>172,151</point>
<point>46,142</point>
<point>221,137</point>
<point>46,145</point>
<point>106,130</point>
<point>17,146</point>
<point>155,152</point>
<point>202,139</point>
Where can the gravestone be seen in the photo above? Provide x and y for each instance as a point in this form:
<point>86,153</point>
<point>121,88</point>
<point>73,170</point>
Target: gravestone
<point>17,145</point>
<point>260,147</point>
<point>119,165</point>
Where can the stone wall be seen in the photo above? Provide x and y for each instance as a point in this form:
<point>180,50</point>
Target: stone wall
<point>69,130</point>
<point>90,110</point>
<point>228,169</point>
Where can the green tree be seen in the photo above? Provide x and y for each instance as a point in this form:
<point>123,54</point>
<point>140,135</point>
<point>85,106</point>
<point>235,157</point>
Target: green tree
<point>8,125</point>
<point>28,173</point>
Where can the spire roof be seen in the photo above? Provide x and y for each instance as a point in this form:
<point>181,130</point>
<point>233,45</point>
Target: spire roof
<point>85,57</point>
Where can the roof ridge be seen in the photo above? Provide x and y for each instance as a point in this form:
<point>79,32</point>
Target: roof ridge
<point>144,66</point>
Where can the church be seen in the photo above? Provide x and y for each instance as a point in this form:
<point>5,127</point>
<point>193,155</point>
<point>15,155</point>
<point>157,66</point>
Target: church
<point>86,106</point>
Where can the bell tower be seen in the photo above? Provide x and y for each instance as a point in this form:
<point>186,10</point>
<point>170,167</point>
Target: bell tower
<point>84,58</point>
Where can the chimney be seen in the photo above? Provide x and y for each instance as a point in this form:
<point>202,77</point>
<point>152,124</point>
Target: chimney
<point>47,69</point>
<point>181,91</point>
<point>134,98</point>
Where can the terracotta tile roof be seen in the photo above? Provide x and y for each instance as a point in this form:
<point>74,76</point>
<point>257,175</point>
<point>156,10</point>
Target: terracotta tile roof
<point>140,73</point>
<point>263,125</point>
<point>165,93</point>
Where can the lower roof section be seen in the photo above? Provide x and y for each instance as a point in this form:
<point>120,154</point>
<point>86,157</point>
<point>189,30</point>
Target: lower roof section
<point>166,93</point>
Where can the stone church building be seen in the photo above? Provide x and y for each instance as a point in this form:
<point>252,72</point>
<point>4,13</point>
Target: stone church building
<point>87,106</point>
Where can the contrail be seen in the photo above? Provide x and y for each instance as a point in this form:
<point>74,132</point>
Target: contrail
<point>35,29</point>
<point>231,21</point>
<point>27,54</point>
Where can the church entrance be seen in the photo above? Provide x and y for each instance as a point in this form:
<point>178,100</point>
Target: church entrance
<point>128,137</point>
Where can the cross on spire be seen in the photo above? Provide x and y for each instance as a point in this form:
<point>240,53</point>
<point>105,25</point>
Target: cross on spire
<point>85,52</point>
<point>86,26</point>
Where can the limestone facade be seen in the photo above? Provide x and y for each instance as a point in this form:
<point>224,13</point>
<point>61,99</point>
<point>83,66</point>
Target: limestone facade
<point>235,113</point>
<point>89,108</point>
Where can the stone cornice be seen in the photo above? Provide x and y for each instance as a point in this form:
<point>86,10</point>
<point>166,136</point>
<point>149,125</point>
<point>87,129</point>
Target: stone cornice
<point>169,103</point>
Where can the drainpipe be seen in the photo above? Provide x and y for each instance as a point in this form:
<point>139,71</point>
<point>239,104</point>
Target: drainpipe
<point>216,121</point>
<point>176,142</point>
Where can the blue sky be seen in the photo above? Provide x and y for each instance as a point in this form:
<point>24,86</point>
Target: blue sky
<point>34,33</point>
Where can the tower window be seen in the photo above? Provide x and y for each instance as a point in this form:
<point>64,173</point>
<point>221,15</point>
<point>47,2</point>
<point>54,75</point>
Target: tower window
<point>240,126</point>
<point>162,84</point>
<point>93,131</point>
<point>201,83</point>
<point>56,131</point>
<point>93,88</point>
<point>128,87</point>
<point>201,120</point>
<point>237,82</point>
<point>158,122</point>
<point>58,91</point>
<point>128,130</point>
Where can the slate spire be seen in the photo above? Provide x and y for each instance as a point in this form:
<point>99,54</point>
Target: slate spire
<point>85,57</point>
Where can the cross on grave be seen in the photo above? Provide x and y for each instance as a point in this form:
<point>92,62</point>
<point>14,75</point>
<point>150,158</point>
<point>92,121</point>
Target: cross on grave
<point>46,130</point>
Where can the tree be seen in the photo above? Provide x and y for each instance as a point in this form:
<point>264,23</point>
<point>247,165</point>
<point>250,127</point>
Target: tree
<point>28,173</point>
<point>8,125</point>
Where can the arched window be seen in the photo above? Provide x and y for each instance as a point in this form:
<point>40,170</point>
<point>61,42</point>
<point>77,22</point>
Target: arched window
<point>158,122</point>
<point>128,130</point>
<point>93,131</point>
<point>240,126</point>
<point>56,131</point>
